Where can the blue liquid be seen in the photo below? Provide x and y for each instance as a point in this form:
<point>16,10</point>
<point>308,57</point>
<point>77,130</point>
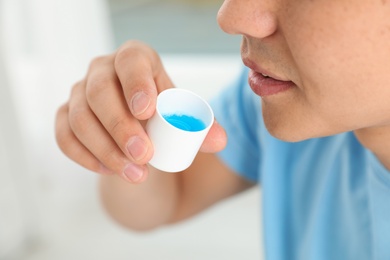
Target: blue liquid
<point>184,122</point>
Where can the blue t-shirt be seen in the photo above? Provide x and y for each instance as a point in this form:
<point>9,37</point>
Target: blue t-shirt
<point>324,198</point>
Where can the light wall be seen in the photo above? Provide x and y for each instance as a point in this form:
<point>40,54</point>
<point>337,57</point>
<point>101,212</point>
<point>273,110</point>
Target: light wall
<point>52,204</point>
<point>172,26</point>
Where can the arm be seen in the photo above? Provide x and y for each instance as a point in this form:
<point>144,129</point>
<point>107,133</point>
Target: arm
<point>167,198</point>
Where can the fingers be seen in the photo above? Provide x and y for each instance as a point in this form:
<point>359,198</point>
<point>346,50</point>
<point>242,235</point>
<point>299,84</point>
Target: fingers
<point>96,127</point>
<point>101,127</point>
<point>71,146</point>
<point>105,98</point>
<point>215,140</point>
<point>142,77</point>
<point>92,136</point>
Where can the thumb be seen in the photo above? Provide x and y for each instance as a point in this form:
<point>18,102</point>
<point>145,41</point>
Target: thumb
<point>215,140</point>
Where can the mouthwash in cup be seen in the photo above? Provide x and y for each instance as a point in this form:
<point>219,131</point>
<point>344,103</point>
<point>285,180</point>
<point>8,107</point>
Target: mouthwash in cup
<point>185,122</point>
<point>178,128</point>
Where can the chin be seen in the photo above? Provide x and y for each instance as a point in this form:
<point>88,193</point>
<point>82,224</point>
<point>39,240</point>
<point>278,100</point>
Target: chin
<point>289,124</point>
<point>287,135</point>
<point>288,130</point>
<point>293,132</point>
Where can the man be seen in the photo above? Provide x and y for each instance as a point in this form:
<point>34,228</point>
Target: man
<point>312,126</point>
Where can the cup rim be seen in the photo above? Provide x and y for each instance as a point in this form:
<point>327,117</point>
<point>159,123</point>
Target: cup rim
<point>210,119</point>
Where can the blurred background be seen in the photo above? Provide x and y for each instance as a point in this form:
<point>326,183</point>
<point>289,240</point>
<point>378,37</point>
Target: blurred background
<point>49,206</point>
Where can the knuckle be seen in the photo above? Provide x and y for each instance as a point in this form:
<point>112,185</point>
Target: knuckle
<point>116,125</point>
<point>62,110</point>
<point>134,51</point>
<point>64,142</point>
<point>76,88</point>
<point>111,158</point>
<point>61,139</point>
<point>97,86</point>
<point>135,85</point>
<point>78,119</point>
<point>61,135</point>
<point>98,61</point>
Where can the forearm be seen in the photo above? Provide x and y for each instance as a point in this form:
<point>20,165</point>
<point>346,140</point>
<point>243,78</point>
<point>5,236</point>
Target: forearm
<point>167,198</point>
<point>140,206</point>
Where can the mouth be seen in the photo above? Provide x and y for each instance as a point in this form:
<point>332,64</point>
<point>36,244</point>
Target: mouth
<point>264,83</point>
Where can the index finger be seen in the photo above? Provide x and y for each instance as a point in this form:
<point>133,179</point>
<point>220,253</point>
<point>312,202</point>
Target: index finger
<point>142,77</point>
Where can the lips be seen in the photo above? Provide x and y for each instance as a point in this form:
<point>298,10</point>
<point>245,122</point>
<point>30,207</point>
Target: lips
<point>263,85</point>
<point>266,86</point>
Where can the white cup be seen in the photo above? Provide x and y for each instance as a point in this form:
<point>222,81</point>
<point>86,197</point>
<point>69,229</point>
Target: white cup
<point>175,148</point>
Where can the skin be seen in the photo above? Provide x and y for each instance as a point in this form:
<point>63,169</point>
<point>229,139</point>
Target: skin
<point>337,54</point>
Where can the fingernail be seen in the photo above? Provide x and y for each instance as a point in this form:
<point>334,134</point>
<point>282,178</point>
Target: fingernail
<point>137,148</point>
<point>139,103</point>
<point>133,172</point>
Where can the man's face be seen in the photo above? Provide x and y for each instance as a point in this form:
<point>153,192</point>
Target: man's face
<point>336,53</point>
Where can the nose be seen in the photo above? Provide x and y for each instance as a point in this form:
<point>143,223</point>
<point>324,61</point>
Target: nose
<point>254,18</point>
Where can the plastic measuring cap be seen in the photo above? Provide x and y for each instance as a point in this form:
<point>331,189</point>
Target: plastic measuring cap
<point>178,128</point>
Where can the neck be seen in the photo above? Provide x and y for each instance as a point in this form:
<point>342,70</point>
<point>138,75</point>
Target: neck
<point>377,140</point>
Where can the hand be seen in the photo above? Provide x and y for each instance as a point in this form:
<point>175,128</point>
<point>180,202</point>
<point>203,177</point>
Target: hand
<point>101,127</point>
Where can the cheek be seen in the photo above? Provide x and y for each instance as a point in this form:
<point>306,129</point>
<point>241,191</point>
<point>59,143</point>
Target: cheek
<point>342,76</point>
<point>322,44</point>
<point>290,118</point>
